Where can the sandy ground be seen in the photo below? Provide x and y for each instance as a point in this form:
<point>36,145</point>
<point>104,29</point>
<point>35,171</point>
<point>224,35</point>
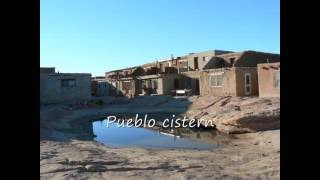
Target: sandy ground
<point>62,156</point>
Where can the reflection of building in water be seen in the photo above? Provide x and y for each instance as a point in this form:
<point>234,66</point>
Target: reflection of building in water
<point>83,131</point>
<point>206,136</point>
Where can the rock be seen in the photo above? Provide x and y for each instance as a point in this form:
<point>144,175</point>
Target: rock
<point>256,143</point>
<point>248,115</point>
<point>95,168</point>
<point>237,108</point>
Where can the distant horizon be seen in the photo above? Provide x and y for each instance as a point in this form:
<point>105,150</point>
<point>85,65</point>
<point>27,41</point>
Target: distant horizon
<point>100,36</point>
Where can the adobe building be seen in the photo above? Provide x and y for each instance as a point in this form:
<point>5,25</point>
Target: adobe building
<point>269,79</point>
<point>47,70</point>
<point>63,87</point>
<point>234,74</point>
<point>157,84</point>
<point>100,86</point>
<point>212,73</point>
<point>198,61</point>
<point>234,81</point>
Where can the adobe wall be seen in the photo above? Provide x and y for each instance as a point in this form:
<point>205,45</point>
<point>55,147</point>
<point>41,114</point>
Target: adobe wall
<point>201,63</point>
<point>228,87</point>
<point>51,90</point>
<point>130,92</point>
<point>266,80</point>
<point>47,70</point>
<point>252,59</point>
<point>194,75</point>
<point>167,82</point>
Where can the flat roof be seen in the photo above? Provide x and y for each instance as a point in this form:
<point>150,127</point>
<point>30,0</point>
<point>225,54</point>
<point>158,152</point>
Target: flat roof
<point>69,74</point>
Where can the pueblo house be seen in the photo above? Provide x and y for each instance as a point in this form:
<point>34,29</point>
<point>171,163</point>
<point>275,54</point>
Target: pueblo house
<point>63,87</point>
<point>100,86</point>
<point>208,73</point>
<point>234,74</point>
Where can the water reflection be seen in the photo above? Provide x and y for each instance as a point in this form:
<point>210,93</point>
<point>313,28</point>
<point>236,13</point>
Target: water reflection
<point>156,137</point>
<point>82,131</point>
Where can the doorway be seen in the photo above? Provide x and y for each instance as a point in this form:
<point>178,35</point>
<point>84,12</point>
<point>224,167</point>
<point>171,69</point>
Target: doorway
<point>197,87</point>
<point>196,65</point>
<point>176,84</point>
<point>247,84</point>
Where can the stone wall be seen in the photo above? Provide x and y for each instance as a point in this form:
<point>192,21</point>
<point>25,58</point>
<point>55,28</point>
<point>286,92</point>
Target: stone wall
<point>52,91</point>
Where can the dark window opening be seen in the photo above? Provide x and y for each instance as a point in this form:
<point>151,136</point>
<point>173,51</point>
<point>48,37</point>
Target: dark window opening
<point>232,61</point>
<point>188,83</point>
<point>248,88</point>
<point>155,84</point>
<point>248,80</point>
<point>126,85</point>
<point>196,65</point>
<point>68,82</point>
<point>176,83</point>
<point>197,88</point>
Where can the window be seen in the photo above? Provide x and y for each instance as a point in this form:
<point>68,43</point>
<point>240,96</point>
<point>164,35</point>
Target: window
<point>154,83</point>
<point>126,85</point>
<point>188,83</point>
<point>276,79</point>
<point>205,58</point>
<point>247,84</point>
<point>143,84</point>
<point>232,61</point>
<point>247,88</point>
<point>68,82</point>
<point>176,84</point>
<point>196,65</point>
<point>183,69</point>
<point>148,82</point>
<point>216,80</point>
<point>248,79</point>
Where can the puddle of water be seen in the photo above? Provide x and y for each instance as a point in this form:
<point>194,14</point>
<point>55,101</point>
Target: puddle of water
<point>115,136</point>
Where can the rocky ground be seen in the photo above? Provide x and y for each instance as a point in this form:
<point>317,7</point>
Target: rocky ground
<point>237,114</point>
<point>248,156</point>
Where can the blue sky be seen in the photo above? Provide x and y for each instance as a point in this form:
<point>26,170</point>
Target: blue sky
<point>95,36</point>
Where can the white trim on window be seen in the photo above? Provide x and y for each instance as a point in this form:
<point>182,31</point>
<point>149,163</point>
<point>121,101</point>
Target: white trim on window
<point>216,80</point>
